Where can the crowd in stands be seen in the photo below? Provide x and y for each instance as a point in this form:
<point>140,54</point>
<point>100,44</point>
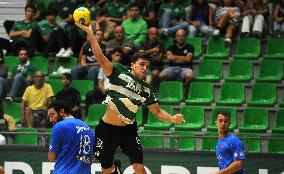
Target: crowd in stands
<point>122,28</point>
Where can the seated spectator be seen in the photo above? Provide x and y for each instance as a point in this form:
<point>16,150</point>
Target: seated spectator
<point>40,9</point>
<point>22,75</point>
<point>87,61</point>
<point>70,95</point>
<point>126,45</point>
<point>227,20</point>
<point>172,17</point>
<point>3,76</point>
<point>255,16</point>
<point>153,47</point>
<point>135,27</point>
<point>23,32</point>
<point>201,19</point>
<point>103,23</point>
<point>35,101</point>
<point>7,122</point>
<point>116,10</point>
<point>180,61</point>
<point>279,19</point>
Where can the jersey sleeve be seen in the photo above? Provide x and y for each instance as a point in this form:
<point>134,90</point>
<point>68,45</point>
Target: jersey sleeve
<point>55,139</point>
<point>116,69</point>
<point>238,150</point>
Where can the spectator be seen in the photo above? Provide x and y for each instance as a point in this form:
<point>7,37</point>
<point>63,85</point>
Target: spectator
<point>172,17</point>
<point>7,122</point>
<point>87,61</point>
<point>122,42</point>
<point>180,61</point>
<point>3,76</point>
<point>201,19</point>
<point>227,20</point>
<point>135,27</point>
<point>116,10</point>
<point>155,48</point>
<point>70,95</point>
<point>22,75</point>
<point>255,14</point>
<point>103,23</point>
<point>35,101</point>
<point>23,32</point>
<point>148,12</point>
<point>279,19</point>
<point>40,9</point>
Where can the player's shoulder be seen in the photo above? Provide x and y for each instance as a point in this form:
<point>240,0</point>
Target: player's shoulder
<point>234,138</point>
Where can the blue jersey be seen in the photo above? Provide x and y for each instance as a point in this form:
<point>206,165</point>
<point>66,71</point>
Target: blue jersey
<point>228,150</point>
<point>72,140</point>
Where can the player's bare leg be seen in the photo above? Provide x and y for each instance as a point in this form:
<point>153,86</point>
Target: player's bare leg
<point>139,168</point>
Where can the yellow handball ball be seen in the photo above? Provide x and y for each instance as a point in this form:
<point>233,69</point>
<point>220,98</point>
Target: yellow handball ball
<point>82,15</point>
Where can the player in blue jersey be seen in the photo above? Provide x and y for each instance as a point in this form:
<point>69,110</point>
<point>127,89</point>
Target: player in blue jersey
<point>72,141</point>
<point>127,92</point>
<point>230,151</point>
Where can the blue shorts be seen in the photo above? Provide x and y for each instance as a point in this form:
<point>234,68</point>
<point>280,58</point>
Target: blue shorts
<point>176,73</point>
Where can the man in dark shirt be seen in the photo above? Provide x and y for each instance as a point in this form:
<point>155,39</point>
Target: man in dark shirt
<point>70,95</point>
<point>180,61</point>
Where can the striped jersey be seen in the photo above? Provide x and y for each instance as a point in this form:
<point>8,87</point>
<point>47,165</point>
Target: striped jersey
<point>127,93</point>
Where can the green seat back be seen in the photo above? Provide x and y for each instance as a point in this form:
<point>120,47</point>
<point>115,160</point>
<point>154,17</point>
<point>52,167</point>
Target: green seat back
<point>139,117</point>
<point>200,93</point>
<point>30,139</point>
<point>166,42</point>
<point>254,120</point>
<point>56,85</point>
<point>209,143</point>
<point>69,63</point>
<point>154,123</point>
<point>251,142</point>
<point>11,62</point>
<point>40,63</point>
<point>248,48</point>
<point>83,86</point>
<point>196,42</point>
<point>156,141</point>
<point>95,113</point>
<point>279,122</point>
<point>263,94</point>
<point>240,70</point>
<point>275,48</point>
<point>270,70</point>
<point>212,126</point>
<point>194,118</point>
<point>276,145</point>
<point>179,141</point>
<point>232,94</point>
<point>171,92</point>
<point>216,49</point>
<point>13,109</point>
<point>210,70</point>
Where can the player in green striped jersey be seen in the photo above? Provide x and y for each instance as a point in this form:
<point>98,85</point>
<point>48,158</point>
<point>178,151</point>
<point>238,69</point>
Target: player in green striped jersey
<point>127,92</point>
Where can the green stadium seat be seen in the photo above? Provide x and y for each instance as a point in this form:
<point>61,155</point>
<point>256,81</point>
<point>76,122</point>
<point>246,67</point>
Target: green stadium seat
<point>196,42</point>
<point>186,3</point>
<point>13,109</point>
<point>171,92</point>
<point>270,71</point>
<point>279,122</point>
<point>83,86</point>
<point>216,49</point>
<point>166,41</point>
<point>154,139</point>
<point>11,62</point>
<point>155,124</point>
<point>62,63</point>
<point>194,119</point>
<point>95,113</point>
<point>139,117</point>
<point>49,132</point>
<point>209,143</point>
<point>209,70</point>
<point>240,70</point>
<point>200,93</point>
<point>40,63</point>
<point>276,145</point>
<point>263,94</point>
<point>212,126</point>
<point>247,48</point>
<point>27,139</point>
<point>251,142</point>
<point>56,85</point>
<point>179,141</point>
<point>275,49</point>
<point>255,120</point>
<point>232,94</point>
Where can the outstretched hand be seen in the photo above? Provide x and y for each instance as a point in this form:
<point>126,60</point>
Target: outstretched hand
<point>178,118</point>
<point>88,28</point>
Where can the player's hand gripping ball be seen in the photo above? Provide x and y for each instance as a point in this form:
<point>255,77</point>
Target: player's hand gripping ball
<point>82,15</point>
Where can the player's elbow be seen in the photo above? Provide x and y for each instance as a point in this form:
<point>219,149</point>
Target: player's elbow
<point>51,156</point>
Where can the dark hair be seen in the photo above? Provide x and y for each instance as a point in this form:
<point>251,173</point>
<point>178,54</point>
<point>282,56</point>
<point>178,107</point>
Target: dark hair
<point>67,75</point>
<point>51,12</point>
<point>101,12</point>
<point>22,48</point>
<point>225,113</point>
<point>60,104</point>
<point>138,56</point>
<point>29,5</point>
<point>117,50</point>
<point>134,4</point>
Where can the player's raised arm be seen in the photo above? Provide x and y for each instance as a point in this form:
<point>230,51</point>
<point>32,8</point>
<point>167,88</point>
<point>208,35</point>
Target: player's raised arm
<point>97,51</point>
